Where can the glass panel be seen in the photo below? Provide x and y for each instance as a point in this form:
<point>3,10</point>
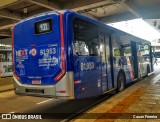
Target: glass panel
<point>86,38</point>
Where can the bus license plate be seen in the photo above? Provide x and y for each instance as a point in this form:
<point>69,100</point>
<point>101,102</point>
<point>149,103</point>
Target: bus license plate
<point>36,81</point>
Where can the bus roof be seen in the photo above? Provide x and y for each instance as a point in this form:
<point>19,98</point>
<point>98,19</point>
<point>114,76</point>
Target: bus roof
<point>111,29</point>
<point>132,37</point>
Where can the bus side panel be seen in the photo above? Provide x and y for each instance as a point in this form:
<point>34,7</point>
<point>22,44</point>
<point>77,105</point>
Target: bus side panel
<point>87,72</point>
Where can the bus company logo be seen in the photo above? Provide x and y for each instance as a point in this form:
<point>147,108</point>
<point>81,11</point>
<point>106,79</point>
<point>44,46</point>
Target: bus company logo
<point>20,53</point>
<point>33,52</point>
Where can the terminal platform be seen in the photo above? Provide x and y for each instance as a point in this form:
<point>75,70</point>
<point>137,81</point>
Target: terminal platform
<point>139,102</point>
<point>6,83</point>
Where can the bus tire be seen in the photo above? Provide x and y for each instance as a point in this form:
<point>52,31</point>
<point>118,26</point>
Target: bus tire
<point>120,81</point>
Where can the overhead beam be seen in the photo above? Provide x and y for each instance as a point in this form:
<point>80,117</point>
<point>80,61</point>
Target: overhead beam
<point>80,5</point>
<point>7,34</point>
<point>6,24</point>
<point>6,3</point>
<point>10,14</point>
<point>148,12</point>
<point>91,16</point>
<point>132,13</point>
<point>46,4</point>
<point>41,10</point>
<point>151,12</point>
<point>132,10</point>
<point>130,6</point>
<point>117,17</point>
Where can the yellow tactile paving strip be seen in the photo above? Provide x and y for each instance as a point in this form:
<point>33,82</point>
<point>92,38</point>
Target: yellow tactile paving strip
<point>123,105</point>
<point>143,97</point>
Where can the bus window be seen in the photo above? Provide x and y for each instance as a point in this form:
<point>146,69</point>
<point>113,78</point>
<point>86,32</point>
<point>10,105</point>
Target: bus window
<point>121,50</point>
<point>101,47</point>
<point>80,48</point>
<point>83,44</point>
<point>127,51</point>
<point>143,53</point>
<point>107,50</point>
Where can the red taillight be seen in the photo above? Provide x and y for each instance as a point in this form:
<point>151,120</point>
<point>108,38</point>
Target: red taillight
<point>63,64</point>
<point>62,91</point>
<point>83,89</point>
<point>59,76</point>
<point>77,82</point>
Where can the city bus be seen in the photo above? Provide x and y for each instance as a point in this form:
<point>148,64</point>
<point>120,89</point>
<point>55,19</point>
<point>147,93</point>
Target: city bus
<point>66,55</point>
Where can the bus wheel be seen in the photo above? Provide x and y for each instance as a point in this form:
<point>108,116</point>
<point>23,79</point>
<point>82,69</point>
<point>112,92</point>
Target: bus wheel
<point>120,82</point>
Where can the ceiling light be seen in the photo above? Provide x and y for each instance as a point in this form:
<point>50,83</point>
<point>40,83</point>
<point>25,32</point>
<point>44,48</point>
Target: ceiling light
<point>25,10</point>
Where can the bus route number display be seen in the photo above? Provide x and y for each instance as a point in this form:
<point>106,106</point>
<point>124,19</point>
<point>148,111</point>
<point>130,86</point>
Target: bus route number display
<point>44,26</point>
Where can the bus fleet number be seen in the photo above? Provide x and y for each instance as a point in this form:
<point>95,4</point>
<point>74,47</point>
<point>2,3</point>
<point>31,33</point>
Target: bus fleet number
<point>48,51</point>
<point>87,66</point>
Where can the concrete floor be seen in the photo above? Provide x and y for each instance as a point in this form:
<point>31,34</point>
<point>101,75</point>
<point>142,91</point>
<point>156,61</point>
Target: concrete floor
<point>157,66</point>
<point>6,83</point>
<point>140,100</point>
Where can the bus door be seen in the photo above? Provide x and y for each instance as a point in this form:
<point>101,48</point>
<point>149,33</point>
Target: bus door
<point>135,59</point>
<point>105,64</point>
<point>128,62</point>
<point>86,63</point>
<point>87,77</point>
<point>143,59</point>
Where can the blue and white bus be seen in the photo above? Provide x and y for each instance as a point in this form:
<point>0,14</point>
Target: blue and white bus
<point>65,55</point>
